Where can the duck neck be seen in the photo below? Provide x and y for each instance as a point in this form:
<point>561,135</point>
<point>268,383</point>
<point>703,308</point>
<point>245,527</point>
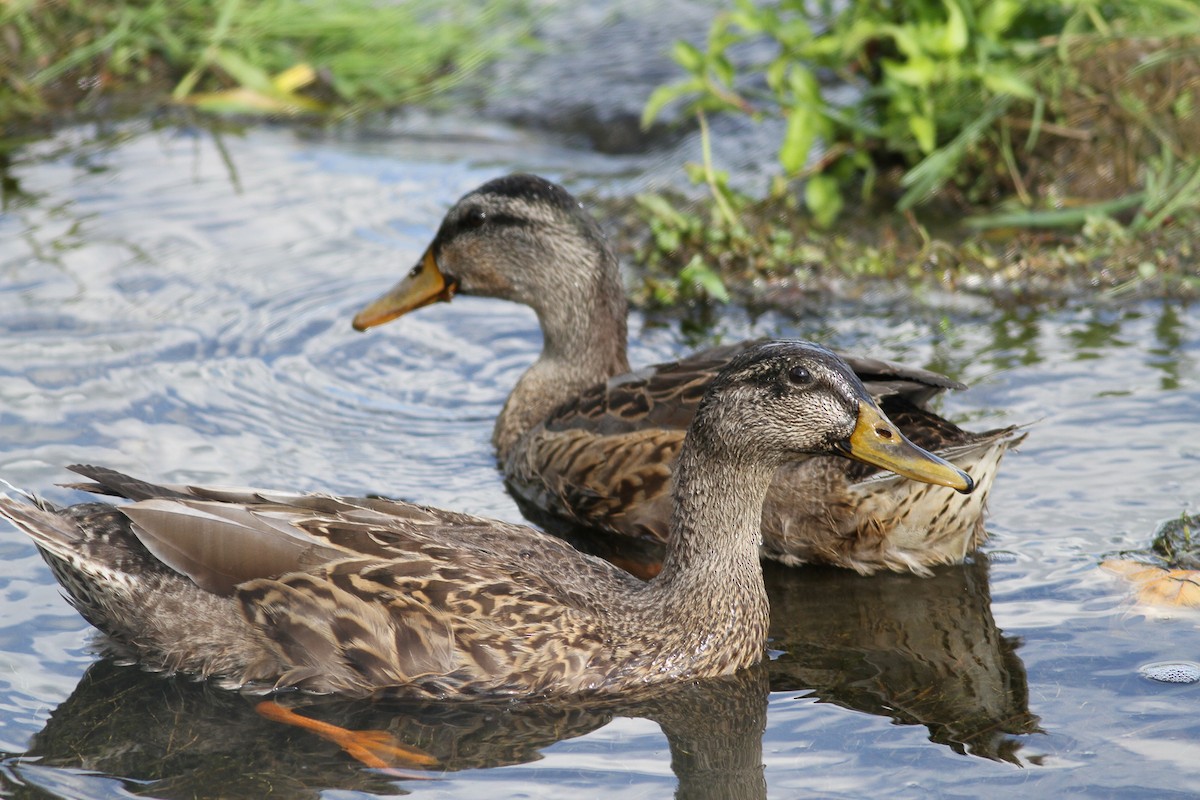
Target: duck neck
<point>712,568</point>
<point>716,525</point>
<point>584,340</point>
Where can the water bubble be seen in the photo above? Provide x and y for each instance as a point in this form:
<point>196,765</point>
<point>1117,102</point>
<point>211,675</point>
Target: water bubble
<point>1172,671</point>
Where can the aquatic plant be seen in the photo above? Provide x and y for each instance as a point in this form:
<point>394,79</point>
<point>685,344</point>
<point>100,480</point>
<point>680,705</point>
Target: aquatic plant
<point>972,100</point>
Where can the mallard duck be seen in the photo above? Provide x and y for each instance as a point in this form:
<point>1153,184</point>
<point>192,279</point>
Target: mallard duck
<point>583,439</point>
<point>360,595</point>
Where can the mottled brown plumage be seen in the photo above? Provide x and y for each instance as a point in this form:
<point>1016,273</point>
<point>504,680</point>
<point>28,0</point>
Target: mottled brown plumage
<point>586,440</point>
<point>359,595</point>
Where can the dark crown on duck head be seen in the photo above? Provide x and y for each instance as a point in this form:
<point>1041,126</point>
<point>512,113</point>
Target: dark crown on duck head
<point>472,210</point>
<point>535,189</point>
<point>761,363</point>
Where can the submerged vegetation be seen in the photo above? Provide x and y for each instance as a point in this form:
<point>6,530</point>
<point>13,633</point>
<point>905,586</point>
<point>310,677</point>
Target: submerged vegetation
<point>1070,117</point>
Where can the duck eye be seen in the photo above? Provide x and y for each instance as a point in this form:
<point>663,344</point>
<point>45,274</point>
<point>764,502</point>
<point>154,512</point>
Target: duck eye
<point>475,218</point>
<point>799,376</point>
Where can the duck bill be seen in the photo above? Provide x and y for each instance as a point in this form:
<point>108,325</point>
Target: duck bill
<point>877,441</point>
<point>424,285</point>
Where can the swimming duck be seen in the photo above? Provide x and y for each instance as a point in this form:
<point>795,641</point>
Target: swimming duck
<point>582,438</point>
<point>364,595</point>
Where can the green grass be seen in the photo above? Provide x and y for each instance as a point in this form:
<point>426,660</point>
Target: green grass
<point>363,54</point>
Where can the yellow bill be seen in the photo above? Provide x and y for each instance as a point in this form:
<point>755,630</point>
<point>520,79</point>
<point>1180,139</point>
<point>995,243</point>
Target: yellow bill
<point>876,440</point>
<point>425,284</point>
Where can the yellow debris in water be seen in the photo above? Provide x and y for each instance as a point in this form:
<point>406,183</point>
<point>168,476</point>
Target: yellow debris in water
<point>294,78</point>
<point>1158,586</point>
<point>279,97</point>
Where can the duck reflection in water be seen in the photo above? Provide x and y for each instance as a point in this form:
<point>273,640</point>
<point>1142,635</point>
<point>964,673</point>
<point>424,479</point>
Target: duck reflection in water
<point>922,651</point>
<point>918,650</point>
<point>185,738</point>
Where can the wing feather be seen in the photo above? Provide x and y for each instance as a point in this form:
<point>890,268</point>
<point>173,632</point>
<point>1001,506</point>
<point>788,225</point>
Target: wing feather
<point>219,546</point>
<point>604,458</point>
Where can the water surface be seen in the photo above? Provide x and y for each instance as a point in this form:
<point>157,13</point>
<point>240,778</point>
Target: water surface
<point>176,305</point>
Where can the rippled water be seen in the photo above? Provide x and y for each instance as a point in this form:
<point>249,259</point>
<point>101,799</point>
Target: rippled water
<point>177,305</point>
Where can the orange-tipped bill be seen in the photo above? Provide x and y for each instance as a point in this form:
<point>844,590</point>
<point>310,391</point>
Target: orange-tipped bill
<point>425,284</point>
<point>876,440</point>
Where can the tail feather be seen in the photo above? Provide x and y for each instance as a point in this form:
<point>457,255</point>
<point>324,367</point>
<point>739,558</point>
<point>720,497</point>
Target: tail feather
<point>983,448</point>
<point>43,523</point>
<point>117,585</point>
<point>117,484</point>
<point>1000,439</point>
<point>30,497</point>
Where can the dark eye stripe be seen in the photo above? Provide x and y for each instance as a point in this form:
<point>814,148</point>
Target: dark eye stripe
<point>505,219</point>
<point>479,220</point>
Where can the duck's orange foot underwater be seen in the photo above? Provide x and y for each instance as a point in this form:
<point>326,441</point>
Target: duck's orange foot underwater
<point>375,749</point>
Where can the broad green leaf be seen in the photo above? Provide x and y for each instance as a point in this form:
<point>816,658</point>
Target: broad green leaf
<point>908,40</point>
<point>1184,105</point>
<point>666,239</point>
<point>794,33</point>
<point>658,206</point>
<point>823,198</point>
<point>798,139</point>
<point>776,72</point>
<point>995,17</point>
<point>688,56</point>
<point>723,69</point>
<point>697,273</point>
<point>663,95</point>
<point>718,44</point>
<point>803,84</point>
<point>954,35</point>
<point>657,101</point>
<point>919,71</point>
<point>850,43</point>
<point>246,74</point>
<point>924,130</point>
<point>748,22</point>
<point>1005,82</point>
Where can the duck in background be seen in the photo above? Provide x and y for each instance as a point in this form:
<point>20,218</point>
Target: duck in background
<point>582,439</point>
